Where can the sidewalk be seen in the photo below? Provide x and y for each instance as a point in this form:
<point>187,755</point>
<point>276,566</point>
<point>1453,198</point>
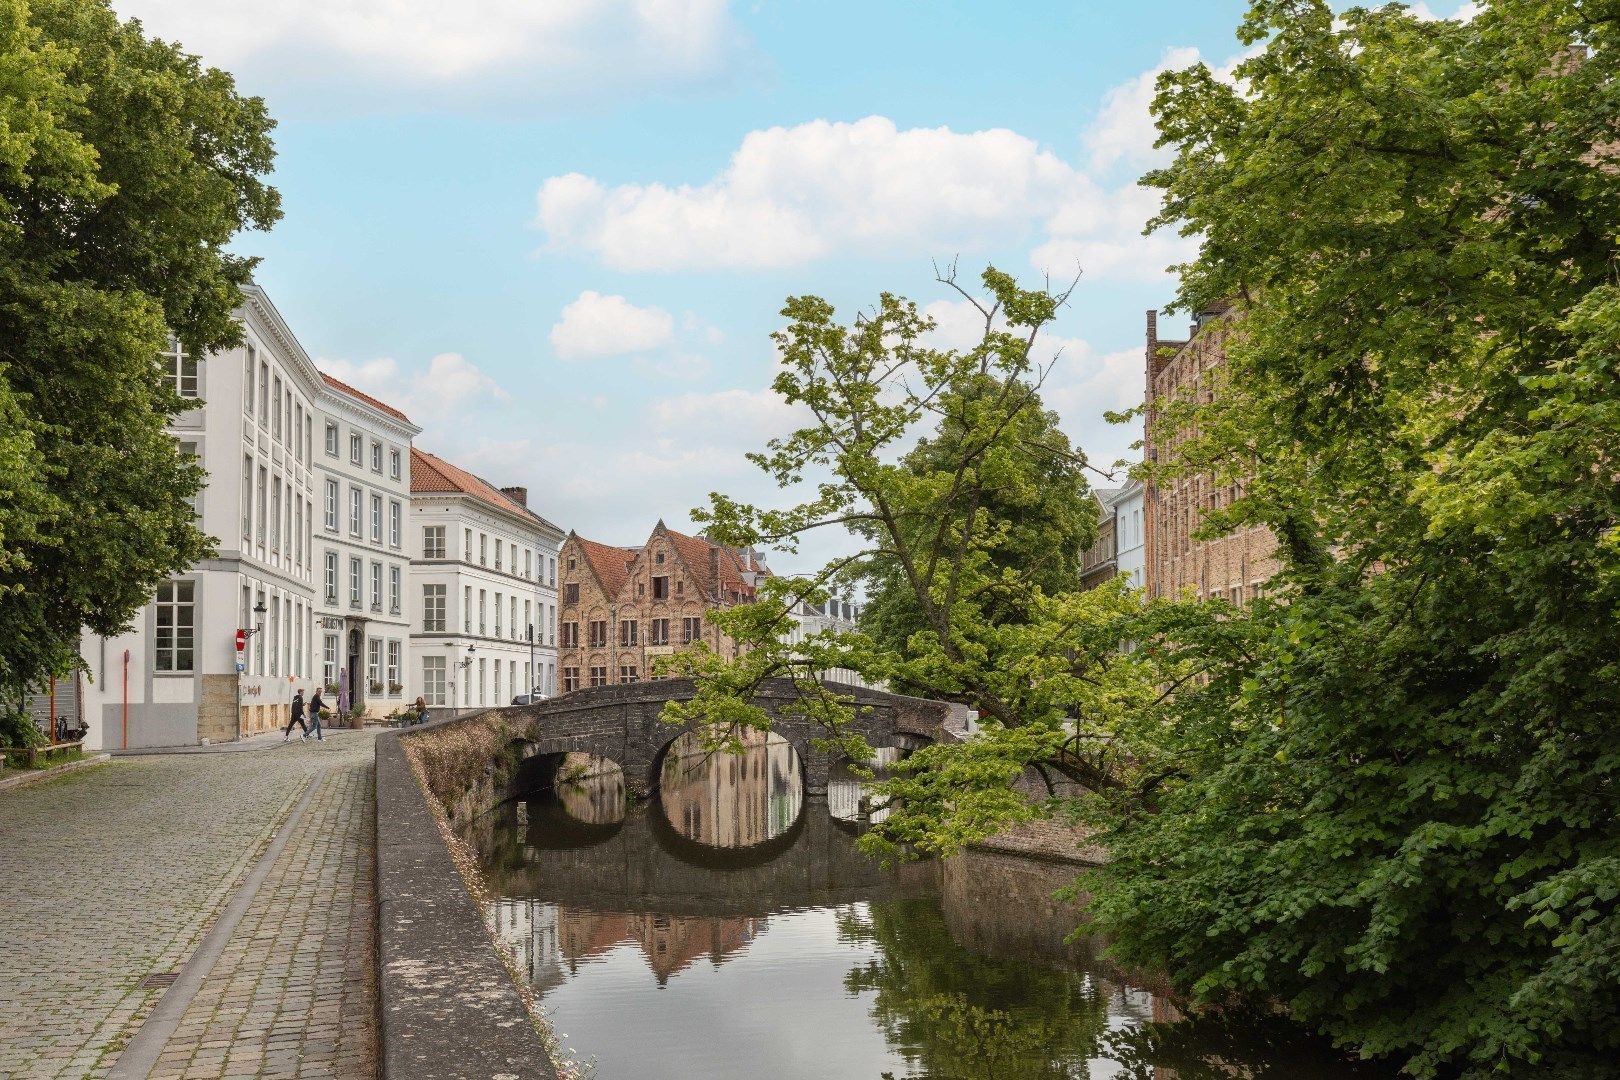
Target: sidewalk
<point>113,877</point>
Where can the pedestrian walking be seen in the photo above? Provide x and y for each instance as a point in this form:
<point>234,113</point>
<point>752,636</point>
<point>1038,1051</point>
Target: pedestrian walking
<point>421,710</point>
<point>315,707</point>
<point>297,718</point>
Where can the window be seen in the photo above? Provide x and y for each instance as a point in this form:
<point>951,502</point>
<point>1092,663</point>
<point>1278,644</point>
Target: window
<point>356,448</point>
<point>570,635</point>
<point>356,511</point>
<point>598,633</point>
<point>517,631</point>
<point>249,362</point>
<point>331,577</point>
<point>552,563</point>
<point>354,582</point>
<point>551,617</point>
<point>264,503</point>
<point>528,564</point>
<point>691,630</point>
<point>627,632</point>
<point>176,624</point>
<point>298,532</point>
<point>528,620</point>
<point>466,545</point>
<point>570,679</point>
<point>659,558</point>
<point>571,593</point>
<point>497,553</point>
<point>433,542</point>
<point>275,514</point>
<point>483,682</point>
<point>329,660</point>
<point>433,680</point>
<point>598,676</point>
<point>298,638</point>
<point>482,606</point>
<point>497,679</point>
<point>275,633</point>
<point>483,549</point>
<point>374,663</point>
<point>658,632</point>
<point>393,464</point>
<point>376,586</point>
<point>627,673</point>
<point>247,497</point>
<point>180,368</point>
<point>275,416</point>
<point>393,668</point>
<point>433,609</point>
<point>331,505</point>
<point>497,614</point>
<point>660,588</point>
<point>376,519</point>
<point>393,590</point>
<point>571,564</point>
<point>332,439</point>
<point>680,587</point>
<point>466,609</point>
<point>264,394</point>
<point>376,456</point>
<point>298,431</point>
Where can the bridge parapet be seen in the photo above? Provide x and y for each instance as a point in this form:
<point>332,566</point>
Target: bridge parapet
<point>624,724</point>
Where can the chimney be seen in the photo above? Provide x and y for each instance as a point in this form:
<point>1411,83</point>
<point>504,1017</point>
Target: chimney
<point>519,495</point>
<point>1152,349</point>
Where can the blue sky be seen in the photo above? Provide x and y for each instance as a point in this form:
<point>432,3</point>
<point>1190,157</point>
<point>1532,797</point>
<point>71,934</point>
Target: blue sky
<point>558,233</point>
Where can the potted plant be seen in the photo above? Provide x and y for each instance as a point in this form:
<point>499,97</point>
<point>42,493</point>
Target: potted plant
<point>376,687</point>
<point>394,689</point>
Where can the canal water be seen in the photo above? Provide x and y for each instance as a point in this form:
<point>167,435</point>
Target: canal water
<point>732,930</point>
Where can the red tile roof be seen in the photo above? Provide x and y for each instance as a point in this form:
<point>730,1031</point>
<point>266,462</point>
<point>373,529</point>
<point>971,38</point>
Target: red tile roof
<point>431,474</point>
<point>694,551</point>
<point>610,564</point>
<point>339,384</point>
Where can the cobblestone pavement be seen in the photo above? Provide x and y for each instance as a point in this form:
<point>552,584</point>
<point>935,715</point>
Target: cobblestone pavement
<point>112,874</point>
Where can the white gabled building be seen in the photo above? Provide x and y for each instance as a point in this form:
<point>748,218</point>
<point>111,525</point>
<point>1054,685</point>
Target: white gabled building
<point>839,616</point>
<point>172,679</point>
<point>364,491</point>
<point>483,579</point>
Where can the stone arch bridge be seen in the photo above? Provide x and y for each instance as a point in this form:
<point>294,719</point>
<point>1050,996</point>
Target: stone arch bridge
<point>623,724</point>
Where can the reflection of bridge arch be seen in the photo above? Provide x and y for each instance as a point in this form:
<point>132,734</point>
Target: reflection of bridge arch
<point>636,869</point>
<point>624,723</point>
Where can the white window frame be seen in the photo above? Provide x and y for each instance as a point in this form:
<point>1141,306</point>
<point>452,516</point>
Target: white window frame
<point>174,621</point>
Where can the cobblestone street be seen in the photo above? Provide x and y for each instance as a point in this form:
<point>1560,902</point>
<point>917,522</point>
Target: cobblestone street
<point>114,874</point>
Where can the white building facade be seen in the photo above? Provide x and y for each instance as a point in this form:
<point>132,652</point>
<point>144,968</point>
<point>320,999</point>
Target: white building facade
<point>484,585</point>
<point>176,677</point>
<point>1130,542</point>
<point>838,616</point>
<point>362,468</point>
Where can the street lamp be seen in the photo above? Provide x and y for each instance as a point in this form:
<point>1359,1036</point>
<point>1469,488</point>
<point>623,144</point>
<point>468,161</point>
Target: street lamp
<point>258,609</point>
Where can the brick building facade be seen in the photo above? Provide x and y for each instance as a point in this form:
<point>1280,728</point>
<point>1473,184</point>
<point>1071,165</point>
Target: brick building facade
<point>622,607</point>
<point>1232,566</point>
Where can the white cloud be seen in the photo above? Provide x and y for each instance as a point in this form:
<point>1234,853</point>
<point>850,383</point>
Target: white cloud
<point>441,393</point>
<point>792,195</point>
<point>523,50</point>
<point>1123,129</point>
<point>594,325</point>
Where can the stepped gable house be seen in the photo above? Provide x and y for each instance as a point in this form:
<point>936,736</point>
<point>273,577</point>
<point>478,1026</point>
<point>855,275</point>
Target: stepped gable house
<point>621,607</point>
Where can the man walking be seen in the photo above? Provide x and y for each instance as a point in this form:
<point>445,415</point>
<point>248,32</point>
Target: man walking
<point>297,718</point>
<point>315,707</point>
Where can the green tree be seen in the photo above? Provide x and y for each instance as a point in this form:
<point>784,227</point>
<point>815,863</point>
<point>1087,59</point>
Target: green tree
<point>1397,812</point>
<point>1043,501</point>
<point>125,169</point>
<point>1052,686</point>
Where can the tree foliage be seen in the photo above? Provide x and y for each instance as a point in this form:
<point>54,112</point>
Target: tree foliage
<point>1046,673</point>
<point>1398,809</point>
<point>125,169</point>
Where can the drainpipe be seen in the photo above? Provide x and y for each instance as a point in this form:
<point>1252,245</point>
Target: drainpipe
<point>126,699</point>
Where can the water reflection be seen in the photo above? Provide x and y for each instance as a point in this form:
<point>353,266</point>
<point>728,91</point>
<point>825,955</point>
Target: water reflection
<point>734,930</point>
<point>591,789</point>
<point>847,792</point>
<point>732,800</point>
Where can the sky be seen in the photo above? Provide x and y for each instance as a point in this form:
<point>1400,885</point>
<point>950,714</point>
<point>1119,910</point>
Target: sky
<point>558,233</point>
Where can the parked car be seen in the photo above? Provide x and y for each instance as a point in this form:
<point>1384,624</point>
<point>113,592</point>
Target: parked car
<point>528,699</point>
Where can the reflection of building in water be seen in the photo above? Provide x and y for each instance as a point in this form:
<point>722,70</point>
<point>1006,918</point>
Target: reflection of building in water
<point>591,789</point>
<point>732,800</point>
<point>846,792</point>
<point>528,930</point>
<point>669,943</point>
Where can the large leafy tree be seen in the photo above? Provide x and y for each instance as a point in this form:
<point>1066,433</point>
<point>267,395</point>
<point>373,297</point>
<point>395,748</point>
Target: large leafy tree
<point>125,169</point>
<point>1046,673</point>
<point>1398,808</point>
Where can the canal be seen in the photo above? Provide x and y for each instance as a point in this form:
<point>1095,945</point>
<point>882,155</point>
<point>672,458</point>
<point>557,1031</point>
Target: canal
<point>731,929</point>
